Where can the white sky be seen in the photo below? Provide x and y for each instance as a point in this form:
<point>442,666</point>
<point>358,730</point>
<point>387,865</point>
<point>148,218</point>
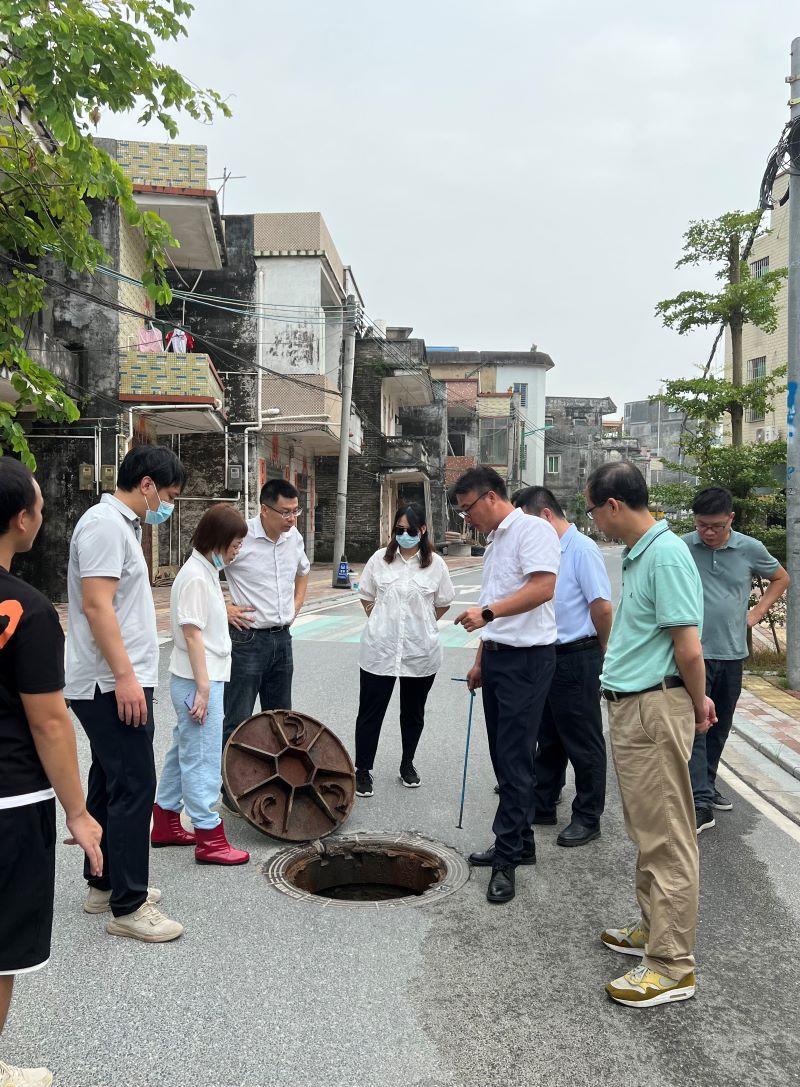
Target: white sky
<point>501,172</point>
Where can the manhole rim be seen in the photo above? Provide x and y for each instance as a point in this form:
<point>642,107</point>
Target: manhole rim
<point>458,870</point>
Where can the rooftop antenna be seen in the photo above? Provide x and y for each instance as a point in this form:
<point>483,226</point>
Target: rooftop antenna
<point>225,178</point>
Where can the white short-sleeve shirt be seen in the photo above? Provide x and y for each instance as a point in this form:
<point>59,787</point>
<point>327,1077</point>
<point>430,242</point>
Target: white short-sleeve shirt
<point>196,599</point>
<point>521,545</point>
<point>401,637</point>
<point>263,574</point>
<point>106,542</point>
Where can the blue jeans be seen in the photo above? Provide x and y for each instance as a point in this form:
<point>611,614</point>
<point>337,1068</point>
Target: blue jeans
<point>723,687</point>
<point>261,665</point>
<point>191,774</point>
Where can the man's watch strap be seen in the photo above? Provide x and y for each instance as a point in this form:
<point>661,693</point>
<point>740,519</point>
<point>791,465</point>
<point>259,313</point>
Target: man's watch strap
<point>487,615</point>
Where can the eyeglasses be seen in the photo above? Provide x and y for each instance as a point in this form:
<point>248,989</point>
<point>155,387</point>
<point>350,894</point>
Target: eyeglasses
<point>287,515</point>
<point>719,526</point>
<point>591,509</point>
<point>462,513</point>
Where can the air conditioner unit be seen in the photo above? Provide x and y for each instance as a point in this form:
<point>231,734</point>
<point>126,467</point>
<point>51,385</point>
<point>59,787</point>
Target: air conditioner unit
<point>770,434</point>
<point>760,435</point>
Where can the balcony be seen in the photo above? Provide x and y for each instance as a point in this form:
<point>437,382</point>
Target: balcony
<point>180,392</point>
<point>310,411</point>
<point>406,459</point>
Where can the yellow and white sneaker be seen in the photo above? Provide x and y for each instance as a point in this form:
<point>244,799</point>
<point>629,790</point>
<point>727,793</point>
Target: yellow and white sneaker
<point>24,1077</point>
<point>644,988</point>
<point>628,941</point>
<point>100,902</point>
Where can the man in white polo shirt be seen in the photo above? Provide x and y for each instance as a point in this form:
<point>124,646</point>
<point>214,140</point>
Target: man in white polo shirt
<point>268,580</point>
<point>516,659</point>
<point>112,669</point>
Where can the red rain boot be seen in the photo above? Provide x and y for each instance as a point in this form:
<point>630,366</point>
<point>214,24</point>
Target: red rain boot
<point>214,848</point>
<point>167,829</point>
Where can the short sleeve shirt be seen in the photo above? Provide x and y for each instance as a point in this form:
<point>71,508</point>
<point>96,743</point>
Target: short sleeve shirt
<point>401,637</point>
<point>263,574</point>
<point>196,600</point>
<point>521,545</point>
<point>107,543</point>
<point>31,662</point>
<point>661,589</point>
<point>582,579</point>
<point>727,573</point>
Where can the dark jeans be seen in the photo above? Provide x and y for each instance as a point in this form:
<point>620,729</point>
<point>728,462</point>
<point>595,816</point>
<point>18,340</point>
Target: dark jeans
<point>373,700</point>
<point>572,729</point>
<point>261,665</point>
<point>515,683</point>
<point>122,788</point>
<point>723,687</point>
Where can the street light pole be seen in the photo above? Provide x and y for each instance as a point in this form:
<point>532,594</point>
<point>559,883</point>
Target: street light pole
<point>344,441</point>
<point>793,379</point>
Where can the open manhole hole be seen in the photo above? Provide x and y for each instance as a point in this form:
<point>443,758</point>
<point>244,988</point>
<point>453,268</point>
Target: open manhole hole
<point>372,870</point>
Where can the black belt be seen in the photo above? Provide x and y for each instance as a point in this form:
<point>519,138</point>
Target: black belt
<point>497,646</point>
<point>273,630</point>
<point>589,642</point>
<point>667,681</point>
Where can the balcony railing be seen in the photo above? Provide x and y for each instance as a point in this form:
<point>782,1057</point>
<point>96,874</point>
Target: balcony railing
<point>402,452</point>
<point>167,376</point>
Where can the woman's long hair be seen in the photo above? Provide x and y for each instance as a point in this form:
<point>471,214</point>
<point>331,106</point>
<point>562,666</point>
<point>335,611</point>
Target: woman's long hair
<point>415,515</point>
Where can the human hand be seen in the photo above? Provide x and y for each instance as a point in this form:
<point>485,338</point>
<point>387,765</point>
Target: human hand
<point>471,619</point>
<point>131,703</point>
<point>240,616</point>
<point>705,716</point>
<point>474,679</point>
<point>87,833</point>
<point>199,708</point>
<point>754,617</point>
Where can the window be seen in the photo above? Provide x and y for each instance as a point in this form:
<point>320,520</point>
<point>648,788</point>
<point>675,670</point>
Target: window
<point>759,268</point>
<point>521,387</point>
<point>457,443</point>
<point>548,420</point>
<point>553,464</point>
<point>494,441</point>
<point>756,371</point>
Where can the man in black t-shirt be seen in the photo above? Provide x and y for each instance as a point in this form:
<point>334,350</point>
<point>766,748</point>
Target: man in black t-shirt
<point>37,755</point>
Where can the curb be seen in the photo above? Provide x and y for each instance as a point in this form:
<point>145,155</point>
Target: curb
<point>774,750</point>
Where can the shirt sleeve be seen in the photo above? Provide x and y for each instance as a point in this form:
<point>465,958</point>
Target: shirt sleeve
<point>38,647</point>
<point>303,565</point>
<point>678,594</point>
<point>101,549</point>
<point>539,547</point>
<point>445,593</point>
<point>592,575</point>
<point>366,583</point>
<point>192,604</point>
<point>762,563</point>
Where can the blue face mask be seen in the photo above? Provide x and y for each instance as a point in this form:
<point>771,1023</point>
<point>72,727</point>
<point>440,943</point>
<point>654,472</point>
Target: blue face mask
<point>217,560</point>
<point>406,540</point>
<point>159,516</point>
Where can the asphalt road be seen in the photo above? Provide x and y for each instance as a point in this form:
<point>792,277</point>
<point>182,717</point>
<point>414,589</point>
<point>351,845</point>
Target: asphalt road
<point>263,991</point>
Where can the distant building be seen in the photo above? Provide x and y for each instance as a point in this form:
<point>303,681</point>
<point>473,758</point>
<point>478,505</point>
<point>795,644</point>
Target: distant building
<point>659,429</point>
<point>572,427</point>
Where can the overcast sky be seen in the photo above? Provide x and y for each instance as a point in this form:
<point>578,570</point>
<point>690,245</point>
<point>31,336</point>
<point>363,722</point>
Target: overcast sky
<point>504,172</point>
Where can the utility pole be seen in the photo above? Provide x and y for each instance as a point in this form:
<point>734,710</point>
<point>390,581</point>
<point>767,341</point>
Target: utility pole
<point>793,380</point>
<point>344,443</point>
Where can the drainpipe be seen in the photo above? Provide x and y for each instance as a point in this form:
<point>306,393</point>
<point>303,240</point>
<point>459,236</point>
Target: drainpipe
<point>259,423</point>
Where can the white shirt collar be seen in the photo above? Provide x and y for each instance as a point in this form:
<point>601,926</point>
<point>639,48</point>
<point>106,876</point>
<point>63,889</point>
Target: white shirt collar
<point>506,523</point>
<point>126,511</point>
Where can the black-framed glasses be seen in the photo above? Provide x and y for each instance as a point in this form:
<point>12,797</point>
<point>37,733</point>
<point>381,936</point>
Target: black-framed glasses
<point>591,509</point>
<point>287,515</point>
<point>462,513</point>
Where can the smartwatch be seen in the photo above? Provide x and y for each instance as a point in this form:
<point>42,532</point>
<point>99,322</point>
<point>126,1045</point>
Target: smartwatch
<point>487,615</point>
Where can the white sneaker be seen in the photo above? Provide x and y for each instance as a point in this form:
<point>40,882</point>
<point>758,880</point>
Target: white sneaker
<point>24,1077</point>
<point>100,901</point>
<point>148,924</point>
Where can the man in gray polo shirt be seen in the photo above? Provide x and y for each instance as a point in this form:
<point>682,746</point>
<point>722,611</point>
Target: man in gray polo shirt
<point>111,670</point>
<point>727,562</point>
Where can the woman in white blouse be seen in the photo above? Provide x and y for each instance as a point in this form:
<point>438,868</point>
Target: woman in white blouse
<point>405,590</point>
<point>199,667</point>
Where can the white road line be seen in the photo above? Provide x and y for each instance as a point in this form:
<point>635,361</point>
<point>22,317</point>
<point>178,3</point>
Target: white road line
<point>759,803</point>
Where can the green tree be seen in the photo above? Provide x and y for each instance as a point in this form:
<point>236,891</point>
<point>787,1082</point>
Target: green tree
<point>62,64</point>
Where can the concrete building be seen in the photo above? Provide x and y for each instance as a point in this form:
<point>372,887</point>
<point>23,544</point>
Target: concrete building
<point>658,429</point>
<point>572,427</point>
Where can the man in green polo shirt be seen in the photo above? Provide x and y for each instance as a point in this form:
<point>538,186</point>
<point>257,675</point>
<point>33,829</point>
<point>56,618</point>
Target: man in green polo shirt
<point>726,561</point>
<point>654,680</point>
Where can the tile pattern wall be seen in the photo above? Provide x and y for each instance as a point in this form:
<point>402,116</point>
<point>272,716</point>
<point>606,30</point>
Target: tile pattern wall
<point>175,164</point>
<point>131,263</point>
<point>145,374</point>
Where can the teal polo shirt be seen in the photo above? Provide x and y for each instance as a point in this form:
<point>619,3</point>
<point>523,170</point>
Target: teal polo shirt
<point>727,574</point>
<point>661,588</point>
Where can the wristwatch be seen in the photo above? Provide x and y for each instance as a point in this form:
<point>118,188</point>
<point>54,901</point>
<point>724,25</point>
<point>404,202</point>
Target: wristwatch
<point>487,615</point>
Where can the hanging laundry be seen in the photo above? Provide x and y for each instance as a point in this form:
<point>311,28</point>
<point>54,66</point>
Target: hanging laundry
<point>180,341</point>
<point>150,338</point>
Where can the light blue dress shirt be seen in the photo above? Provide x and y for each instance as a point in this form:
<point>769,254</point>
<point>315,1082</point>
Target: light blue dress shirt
<point>582,579</point>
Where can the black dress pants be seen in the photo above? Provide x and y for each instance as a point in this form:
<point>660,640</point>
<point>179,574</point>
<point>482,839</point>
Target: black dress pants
<point>515,683</point>
<point>374,696</point>
<point>122,788</point>
<point>572,729</point>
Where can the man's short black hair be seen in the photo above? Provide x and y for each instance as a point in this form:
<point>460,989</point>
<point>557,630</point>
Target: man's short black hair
<point>17,492</point>
<point>621,480</point>
<point>277,488</point>
<point>478,479</point>
<point>713,500</point>
<point>535,499</point>
<point>155,461</point>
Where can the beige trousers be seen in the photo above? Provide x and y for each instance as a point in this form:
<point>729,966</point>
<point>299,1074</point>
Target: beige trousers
<point>651,741</point>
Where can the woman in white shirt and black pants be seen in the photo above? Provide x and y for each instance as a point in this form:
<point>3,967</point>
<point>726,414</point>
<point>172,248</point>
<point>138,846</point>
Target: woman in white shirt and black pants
<point>199,667</point>
<point>405,590</point>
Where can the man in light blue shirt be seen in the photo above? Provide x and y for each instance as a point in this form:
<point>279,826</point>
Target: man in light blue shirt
<point>572,724</point>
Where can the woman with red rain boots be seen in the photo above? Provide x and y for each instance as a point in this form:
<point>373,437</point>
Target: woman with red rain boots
<point>199,666</point>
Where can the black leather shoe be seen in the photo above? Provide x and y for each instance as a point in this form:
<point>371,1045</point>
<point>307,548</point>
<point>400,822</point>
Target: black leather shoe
<point>577,834</point>
<point>501,885</point>
<point>486,860</point>
<point>544,819</point>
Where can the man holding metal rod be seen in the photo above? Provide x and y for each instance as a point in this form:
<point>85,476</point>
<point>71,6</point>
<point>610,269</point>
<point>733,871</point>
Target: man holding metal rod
<point>516,659</point>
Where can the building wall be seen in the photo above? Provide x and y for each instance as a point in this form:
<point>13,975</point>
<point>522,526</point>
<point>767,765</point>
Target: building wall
<point>173,164</point>
<point>532,414</point>
<point>131,263</point>
<point>572,441</point>
<point>292,346</point>
<point>659,430</point>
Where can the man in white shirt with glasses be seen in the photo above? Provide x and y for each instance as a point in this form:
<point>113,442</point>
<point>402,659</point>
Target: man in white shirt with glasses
<point>268,580</point>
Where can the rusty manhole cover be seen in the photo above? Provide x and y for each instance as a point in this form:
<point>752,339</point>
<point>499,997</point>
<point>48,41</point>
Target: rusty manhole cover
<point>289,775</point>
<point>373,870</point>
